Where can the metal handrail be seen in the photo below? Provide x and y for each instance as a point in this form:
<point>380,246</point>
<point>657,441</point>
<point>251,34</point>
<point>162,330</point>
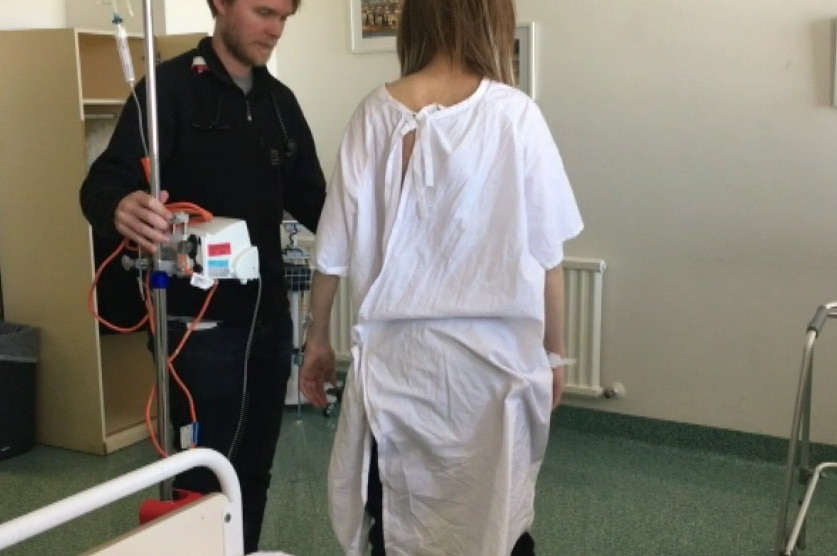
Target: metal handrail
<point>799,445</point>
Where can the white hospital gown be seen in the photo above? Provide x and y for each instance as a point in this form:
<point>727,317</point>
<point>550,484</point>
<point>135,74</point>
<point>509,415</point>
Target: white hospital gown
<point>447,271</point>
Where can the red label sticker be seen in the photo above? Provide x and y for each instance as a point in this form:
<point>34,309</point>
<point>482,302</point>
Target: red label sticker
<point>218,249</point>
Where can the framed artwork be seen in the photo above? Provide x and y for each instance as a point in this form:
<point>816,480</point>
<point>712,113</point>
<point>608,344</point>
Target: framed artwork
<point>374,24</point>
<point>524,57</point>
<point>834,62</point>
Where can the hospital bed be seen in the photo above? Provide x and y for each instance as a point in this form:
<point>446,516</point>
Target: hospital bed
<point>790,537</point>
<point>210,526</point>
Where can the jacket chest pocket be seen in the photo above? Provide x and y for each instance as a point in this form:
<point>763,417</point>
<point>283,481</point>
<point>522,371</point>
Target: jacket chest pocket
<point>223,169</point>
<point>280,151</point>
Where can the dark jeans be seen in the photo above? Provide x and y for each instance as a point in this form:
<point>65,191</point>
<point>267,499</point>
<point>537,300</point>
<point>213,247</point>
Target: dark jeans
<point>211,365</point>
<point>525,545</point>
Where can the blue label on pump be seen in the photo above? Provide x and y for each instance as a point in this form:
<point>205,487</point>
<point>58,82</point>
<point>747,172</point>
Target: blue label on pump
<point>218,268</point>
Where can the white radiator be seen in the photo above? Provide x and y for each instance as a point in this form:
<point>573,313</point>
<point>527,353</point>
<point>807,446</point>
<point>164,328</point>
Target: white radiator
<point>583,324</point>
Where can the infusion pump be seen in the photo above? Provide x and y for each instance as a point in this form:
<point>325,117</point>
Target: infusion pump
<point>218,249</point>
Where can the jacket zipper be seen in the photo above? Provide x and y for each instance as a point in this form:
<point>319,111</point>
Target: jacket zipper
<point>249,114</point>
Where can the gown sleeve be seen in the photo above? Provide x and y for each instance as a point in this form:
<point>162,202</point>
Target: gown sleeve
<point>552,213</point>
<point>335,233</point>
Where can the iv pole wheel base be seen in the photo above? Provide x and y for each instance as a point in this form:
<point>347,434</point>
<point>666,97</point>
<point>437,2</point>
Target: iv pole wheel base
<point>152,509</point>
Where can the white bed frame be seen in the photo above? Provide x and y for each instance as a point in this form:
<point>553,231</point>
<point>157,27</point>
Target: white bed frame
<point>210,526</point>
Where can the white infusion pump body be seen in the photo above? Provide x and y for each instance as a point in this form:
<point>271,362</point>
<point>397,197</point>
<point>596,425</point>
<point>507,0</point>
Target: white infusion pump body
<point>215,250</point>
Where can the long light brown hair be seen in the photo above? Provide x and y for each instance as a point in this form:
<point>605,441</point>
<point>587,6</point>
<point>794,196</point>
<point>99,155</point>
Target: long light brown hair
<point>476,34</point>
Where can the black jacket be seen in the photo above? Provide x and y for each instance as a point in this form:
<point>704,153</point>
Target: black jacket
<point>240,156</point>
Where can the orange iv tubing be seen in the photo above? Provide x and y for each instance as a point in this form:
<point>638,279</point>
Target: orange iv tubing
<point>197,215</point>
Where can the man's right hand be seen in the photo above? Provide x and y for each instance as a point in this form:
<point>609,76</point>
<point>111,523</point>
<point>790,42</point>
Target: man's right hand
<point>141,218</point>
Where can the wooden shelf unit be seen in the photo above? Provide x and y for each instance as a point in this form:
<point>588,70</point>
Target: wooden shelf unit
<point>91,388</point>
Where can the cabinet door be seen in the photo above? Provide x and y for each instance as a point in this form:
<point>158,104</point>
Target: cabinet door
<point>44,239</point>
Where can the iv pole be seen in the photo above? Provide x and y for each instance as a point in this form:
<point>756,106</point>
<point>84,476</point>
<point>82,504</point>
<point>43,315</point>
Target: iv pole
<point>159,279</point>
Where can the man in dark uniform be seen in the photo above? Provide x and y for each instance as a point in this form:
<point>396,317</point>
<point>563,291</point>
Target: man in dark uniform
<point>233,140</point>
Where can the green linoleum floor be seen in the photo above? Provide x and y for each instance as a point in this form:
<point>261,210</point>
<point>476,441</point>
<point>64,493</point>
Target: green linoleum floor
<point>597,496</point>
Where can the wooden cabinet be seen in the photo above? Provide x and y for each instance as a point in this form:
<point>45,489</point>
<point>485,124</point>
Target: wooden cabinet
<point>91,387</point>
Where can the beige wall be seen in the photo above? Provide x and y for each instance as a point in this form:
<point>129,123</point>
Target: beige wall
<point>314,59</point>
<point>701,145</point>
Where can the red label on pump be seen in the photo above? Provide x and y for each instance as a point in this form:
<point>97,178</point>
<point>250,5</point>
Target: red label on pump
<point>218,249</point>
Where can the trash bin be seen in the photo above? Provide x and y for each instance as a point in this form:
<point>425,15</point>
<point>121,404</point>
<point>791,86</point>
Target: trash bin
<point>18,357</point>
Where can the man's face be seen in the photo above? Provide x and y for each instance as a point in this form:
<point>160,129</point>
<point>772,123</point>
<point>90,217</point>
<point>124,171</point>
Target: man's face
<point>251,28</point>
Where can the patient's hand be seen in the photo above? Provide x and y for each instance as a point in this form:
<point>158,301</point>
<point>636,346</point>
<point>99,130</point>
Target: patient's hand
<point>318,369</point>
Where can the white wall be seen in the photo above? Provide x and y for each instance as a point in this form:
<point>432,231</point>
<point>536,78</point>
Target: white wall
<point>98,15</point>
<point>178,16</point>
<point>187,16</point>
<point>703,152</point>
<point>32,14</point>
<point>701,145</point>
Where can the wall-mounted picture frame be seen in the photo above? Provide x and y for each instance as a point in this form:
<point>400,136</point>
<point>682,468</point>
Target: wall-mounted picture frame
<point>524,57</point>
<point>834,62</point>
<point>374,24</point>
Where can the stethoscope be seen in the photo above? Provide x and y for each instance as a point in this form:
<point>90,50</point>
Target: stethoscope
<point>215,124</point>
<point>289,145</point>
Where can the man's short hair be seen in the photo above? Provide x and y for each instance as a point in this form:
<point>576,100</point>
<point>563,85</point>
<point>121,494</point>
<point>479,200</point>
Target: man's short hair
<point>214,11</point>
